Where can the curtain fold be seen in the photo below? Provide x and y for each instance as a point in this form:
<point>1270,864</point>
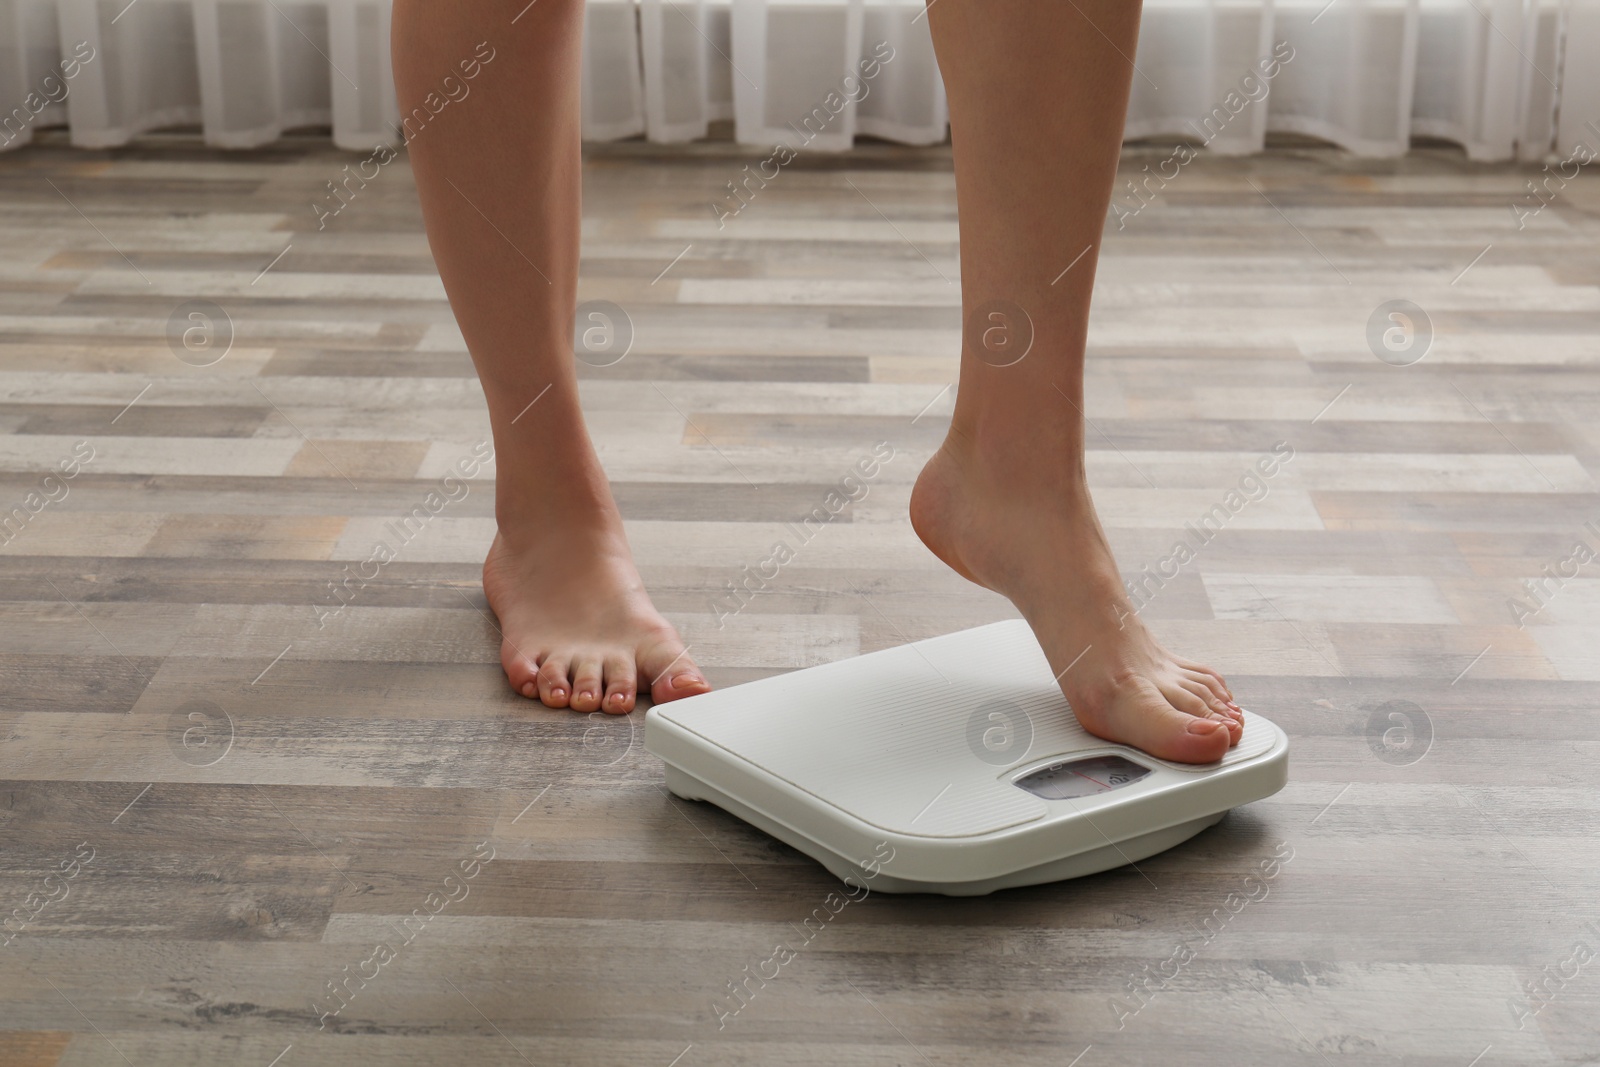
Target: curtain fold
<point>1505,79</point>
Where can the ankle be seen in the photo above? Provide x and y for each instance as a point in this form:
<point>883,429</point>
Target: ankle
<point>993,520</point>
<point>1013,452</point>
<point>534,511</point>
<point>547,473</point>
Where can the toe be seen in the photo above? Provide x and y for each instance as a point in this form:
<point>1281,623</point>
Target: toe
<point>555,685</point>
<point>672,673</point>
<point>520,670</point>
<point>1214,689</point>
<point>1176,727</point>
<point>1215,679</point>
<point>1188,702</point>
<point>587,683</point>
<point>1204,688</point>
<point>1217,708</point>
<point>622,680</point>
<point>1202,741</point>
<point>1195,699</point>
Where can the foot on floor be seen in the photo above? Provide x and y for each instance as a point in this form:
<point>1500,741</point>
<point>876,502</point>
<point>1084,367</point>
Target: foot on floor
<point>578,629</point>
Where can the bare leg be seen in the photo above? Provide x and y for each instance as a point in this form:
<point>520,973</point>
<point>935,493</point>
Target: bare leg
<point>499,175</point>
<point>1038,94</point>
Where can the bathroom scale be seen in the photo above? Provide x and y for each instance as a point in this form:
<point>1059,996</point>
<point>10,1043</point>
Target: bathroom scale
<point>951,765</point>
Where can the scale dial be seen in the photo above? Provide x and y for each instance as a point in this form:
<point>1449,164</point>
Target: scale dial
<point>1087,777</point>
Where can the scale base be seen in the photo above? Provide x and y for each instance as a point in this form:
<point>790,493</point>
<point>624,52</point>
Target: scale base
<point>1129,850</point>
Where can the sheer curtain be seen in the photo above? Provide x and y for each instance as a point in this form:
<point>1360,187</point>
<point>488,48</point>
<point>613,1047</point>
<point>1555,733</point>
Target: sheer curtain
<point>1506,79</point>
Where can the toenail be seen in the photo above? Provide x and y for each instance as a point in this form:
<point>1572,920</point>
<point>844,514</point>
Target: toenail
<point>585,694</point>
<point>558,692</point>
<point>684,681</point>
<point>1204,726</point>
<point>1234,706</point>
<point>529,689</point>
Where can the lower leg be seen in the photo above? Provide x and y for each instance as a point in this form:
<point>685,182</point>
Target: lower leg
<point>1038,93</point>
<point>491,113</point>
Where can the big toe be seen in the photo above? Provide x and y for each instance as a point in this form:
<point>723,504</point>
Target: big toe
<point>672,674</point>
<point>1144,719</point>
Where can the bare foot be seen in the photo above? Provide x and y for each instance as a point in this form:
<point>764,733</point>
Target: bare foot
<point>579,630</point>
<point>1036,540</point>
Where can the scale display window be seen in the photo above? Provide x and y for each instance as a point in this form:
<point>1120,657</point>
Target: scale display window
<point>1088,777</point>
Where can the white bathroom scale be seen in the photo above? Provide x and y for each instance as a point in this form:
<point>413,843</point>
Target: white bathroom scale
<point>952,765</point>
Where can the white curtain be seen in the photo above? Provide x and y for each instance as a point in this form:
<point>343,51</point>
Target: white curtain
<point>1506,79</point>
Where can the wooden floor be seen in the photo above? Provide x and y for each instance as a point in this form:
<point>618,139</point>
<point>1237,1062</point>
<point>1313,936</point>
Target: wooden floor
<point>229,792</point>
